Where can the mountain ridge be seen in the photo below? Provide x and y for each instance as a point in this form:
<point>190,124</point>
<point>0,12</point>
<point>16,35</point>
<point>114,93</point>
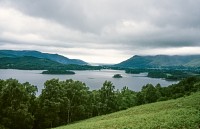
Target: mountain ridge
<point>54,57</point>
<point>152,61</point>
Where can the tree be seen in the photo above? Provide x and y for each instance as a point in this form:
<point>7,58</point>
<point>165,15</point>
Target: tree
<point>150,93</point>
<point>16,101</point>
<point>49,103</point>
<point>78,96</point>
<point>139,98</point>
<point>126,98</point>
<point>94,103</point>
<point>107,98</point>
<point>62,102</point>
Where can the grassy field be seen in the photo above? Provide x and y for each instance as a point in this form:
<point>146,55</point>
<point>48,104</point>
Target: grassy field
<point>182,113</point>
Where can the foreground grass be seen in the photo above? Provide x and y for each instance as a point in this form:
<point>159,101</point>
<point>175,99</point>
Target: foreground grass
<point>182,113</point>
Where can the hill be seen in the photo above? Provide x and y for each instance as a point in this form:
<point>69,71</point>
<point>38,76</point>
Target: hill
<point>53,57</point>
<point>33,63</point>
<point>28,63</point>
<point>179,113</point>
<point>161,61</point>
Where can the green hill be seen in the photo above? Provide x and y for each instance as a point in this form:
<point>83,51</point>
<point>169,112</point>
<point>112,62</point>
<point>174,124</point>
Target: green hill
<point>34,63</point>
<point>161,61</point>
<point>28,62</point>
<point>53,57</point>
<point>182,113</point>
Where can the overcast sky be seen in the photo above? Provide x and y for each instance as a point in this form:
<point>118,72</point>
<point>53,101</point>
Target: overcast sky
<point>101,31</point>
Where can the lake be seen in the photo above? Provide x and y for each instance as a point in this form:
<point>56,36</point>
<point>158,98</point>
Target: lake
<point>94,79</point>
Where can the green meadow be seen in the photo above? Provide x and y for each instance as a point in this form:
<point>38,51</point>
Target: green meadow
<point>181,113</point>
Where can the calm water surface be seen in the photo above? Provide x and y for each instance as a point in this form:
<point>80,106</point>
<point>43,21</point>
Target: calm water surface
<point>94,79</point>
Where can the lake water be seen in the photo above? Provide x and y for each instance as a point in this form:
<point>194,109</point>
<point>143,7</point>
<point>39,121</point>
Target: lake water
<point>94,79</point>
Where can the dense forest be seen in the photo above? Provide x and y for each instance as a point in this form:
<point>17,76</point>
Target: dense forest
<point>33,63</point>
<point>58,72</point>
<point>64,102</point>
<point>176,73</point>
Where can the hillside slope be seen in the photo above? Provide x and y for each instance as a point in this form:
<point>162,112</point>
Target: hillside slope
<point>28,63</point>
<point>34,63</point>
<point>180,113</point>
<point>54,57</point>
<point>161,61</point>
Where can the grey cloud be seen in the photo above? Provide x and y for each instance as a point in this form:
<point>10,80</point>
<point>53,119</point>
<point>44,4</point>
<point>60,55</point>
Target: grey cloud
<point>93,16</point>
<point>99,24</point>
<point>183,14</point>
<point>62,11</point>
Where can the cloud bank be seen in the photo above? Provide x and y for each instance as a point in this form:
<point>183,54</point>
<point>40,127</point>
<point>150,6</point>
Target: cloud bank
<point>103,31</point>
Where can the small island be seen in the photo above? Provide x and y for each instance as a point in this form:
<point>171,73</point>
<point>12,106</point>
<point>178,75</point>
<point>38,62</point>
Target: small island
<point>117,76</point>
<point>58,72</point>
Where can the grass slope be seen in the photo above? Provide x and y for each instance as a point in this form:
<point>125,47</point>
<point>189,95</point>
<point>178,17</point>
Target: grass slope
<point>182,113</point>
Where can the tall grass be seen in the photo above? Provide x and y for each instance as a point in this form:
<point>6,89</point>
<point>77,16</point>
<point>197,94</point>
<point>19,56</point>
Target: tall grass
<point>182,113</point>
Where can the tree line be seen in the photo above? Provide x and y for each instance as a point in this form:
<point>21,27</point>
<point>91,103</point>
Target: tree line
<point>64,102</point>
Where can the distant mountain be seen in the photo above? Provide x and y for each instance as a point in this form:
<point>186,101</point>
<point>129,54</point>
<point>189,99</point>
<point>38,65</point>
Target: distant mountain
<point>53,57</point>
<point>29,63</point>
<point>161,61</point>
<point>34,63</point>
